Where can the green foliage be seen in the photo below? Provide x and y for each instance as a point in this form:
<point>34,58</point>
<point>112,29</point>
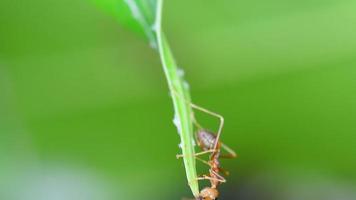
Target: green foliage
<point>138,15</point>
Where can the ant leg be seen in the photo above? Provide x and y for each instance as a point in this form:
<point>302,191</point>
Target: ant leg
<point>221,179</point>
<point>189,103</point>
<point>198,154</point>
<point>221,118</point>
<point>206,177</point>
<point>179,156</point>
<point>228,156</point>
<point>227,173</point>
<point>231,153</point>
<point>195,121</point>
<point>205,152</point>
<point>203,161</point>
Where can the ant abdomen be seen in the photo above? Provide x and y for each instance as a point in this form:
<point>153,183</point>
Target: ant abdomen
<point>206,139</point>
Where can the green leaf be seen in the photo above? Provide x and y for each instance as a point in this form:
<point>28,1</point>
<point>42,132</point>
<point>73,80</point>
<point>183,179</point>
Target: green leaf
<point>145,16</point>
<point>138,15</point>
<point>181,100</point>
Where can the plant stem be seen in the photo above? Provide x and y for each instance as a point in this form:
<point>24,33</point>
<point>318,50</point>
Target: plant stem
<point>181,99</point>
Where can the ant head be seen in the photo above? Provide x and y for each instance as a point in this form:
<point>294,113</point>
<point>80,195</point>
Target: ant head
<point>208,194</point>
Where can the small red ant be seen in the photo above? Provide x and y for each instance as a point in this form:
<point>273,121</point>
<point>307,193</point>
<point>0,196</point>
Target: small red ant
<point>210,143</point>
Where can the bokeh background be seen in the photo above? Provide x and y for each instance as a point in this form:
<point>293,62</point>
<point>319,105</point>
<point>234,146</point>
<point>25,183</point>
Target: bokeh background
<point>85,112</point>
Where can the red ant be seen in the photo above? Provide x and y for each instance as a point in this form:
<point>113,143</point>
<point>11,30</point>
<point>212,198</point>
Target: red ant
<point>210,143</point>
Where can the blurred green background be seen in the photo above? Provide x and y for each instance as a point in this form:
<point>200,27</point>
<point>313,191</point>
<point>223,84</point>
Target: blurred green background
<point>85,112</point>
